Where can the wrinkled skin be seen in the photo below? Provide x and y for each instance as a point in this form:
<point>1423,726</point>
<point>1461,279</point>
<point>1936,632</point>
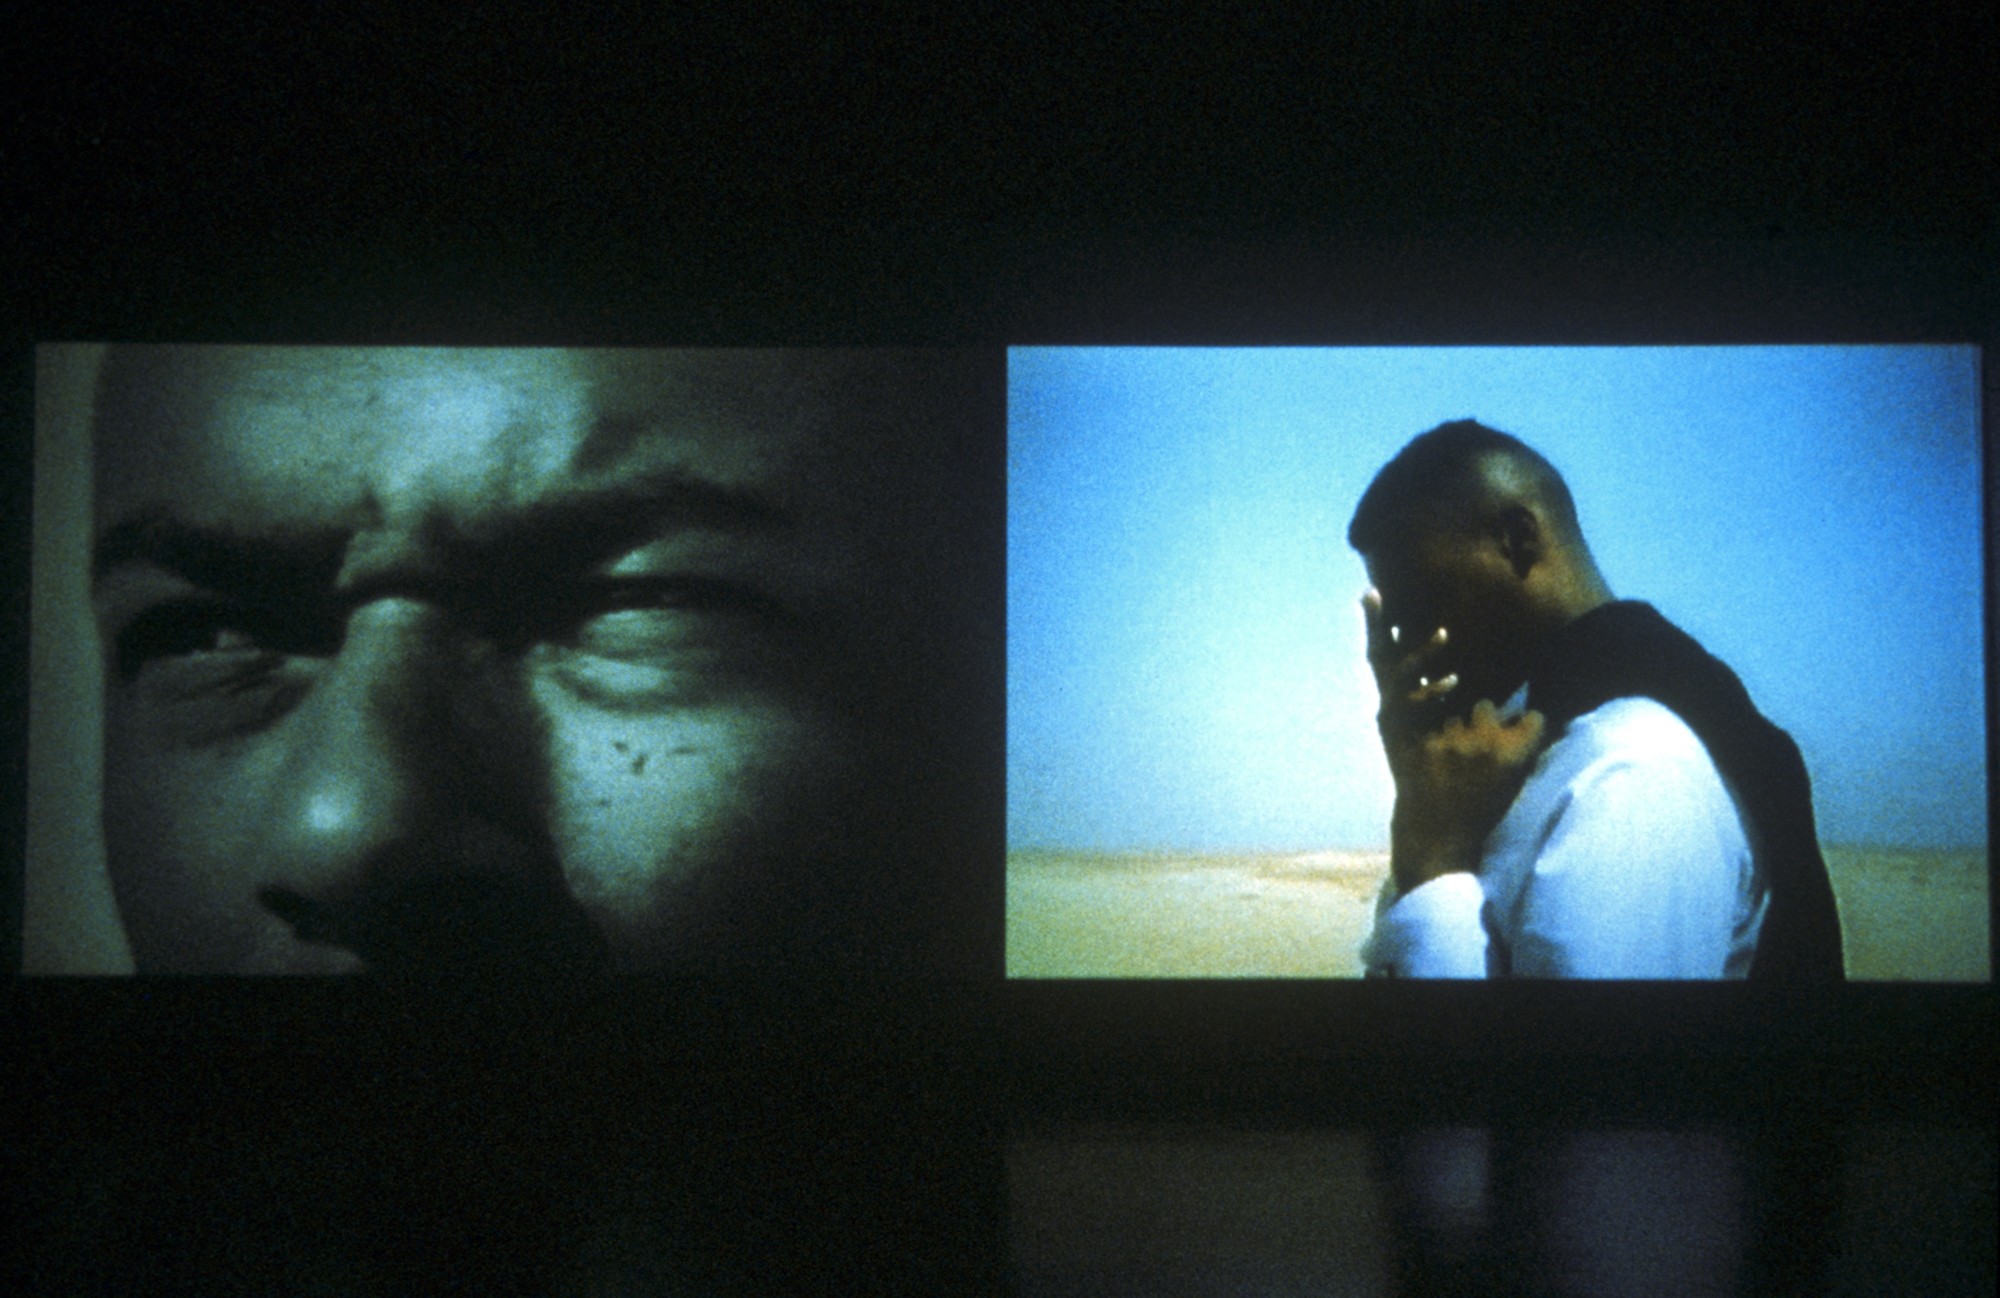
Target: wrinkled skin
<point>537,663</point>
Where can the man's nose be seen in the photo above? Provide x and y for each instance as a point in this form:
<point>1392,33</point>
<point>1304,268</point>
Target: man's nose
<point>404,817</point>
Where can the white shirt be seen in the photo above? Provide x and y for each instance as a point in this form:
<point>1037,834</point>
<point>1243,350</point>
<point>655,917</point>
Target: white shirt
<point>1623,856</point>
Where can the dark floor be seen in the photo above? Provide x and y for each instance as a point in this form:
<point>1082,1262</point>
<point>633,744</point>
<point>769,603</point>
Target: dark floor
<point>344,1145</point>
<point>1198,1211</point>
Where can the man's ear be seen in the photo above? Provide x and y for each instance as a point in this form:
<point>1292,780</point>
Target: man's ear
<point>1521,538</point>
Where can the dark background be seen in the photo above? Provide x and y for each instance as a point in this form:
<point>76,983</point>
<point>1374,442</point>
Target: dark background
<point>987,175</point>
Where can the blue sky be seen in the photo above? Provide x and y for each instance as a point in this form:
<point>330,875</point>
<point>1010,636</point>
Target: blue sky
<point>1184,638</point>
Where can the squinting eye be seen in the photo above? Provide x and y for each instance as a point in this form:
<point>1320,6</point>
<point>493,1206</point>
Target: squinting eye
<point>644,618</point>
<point>684,596</point>
<point>179,630</point>
<point>203,630</point>
<point>644,642</point>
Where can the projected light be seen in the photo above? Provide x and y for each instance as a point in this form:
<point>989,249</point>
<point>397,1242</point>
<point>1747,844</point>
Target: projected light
<point>1186,684</point>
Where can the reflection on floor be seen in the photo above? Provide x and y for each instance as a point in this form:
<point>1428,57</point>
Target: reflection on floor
<point>1197,1211</point>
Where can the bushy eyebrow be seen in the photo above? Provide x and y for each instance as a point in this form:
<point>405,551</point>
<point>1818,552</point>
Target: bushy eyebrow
<point>591,525</point>
<point>538,541</point>
<point>221,558</point>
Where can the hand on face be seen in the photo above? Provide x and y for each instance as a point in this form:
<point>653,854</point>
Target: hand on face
<point>1455,775</point>
<point>1413,703</point>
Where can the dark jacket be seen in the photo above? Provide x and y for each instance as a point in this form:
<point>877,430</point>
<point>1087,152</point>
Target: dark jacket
<point>1626,649</point>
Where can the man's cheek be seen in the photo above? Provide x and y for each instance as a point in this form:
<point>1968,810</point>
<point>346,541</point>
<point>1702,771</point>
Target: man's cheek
<point>643,809</point>
<point>173,836</point>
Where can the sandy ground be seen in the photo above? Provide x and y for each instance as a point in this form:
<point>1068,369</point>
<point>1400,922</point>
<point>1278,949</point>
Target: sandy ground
<point>1917,916</point>
<point>1907,915</point>
<point>1154,915</point>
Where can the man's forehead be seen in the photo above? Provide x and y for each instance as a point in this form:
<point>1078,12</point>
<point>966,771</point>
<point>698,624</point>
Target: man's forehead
<point>287,428</point>
<point>1415,544</point>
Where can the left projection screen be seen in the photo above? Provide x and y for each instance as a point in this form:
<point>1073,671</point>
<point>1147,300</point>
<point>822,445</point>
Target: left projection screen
<point>516,662</point>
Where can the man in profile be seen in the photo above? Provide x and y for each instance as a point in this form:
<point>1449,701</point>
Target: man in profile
<point>1581,790</point>
<point>549,663</point>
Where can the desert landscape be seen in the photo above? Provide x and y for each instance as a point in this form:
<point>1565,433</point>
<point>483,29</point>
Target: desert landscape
<point>1907,915</point>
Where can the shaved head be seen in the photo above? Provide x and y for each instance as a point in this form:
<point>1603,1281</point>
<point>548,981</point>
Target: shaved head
<point>1471,531</point>
<point>1454,478</point>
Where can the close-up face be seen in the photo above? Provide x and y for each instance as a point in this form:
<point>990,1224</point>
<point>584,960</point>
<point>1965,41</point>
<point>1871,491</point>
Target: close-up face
<point>431,660</point>
<point>1431,578</point>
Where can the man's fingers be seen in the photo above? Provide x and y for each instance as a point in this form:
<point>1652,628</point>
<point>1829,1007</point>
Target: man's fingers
<point>1483,732</point>
<point>1519,739</point>
<point>1381,646</point>
<point>1428,689</point>
<point>1411,676</point>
